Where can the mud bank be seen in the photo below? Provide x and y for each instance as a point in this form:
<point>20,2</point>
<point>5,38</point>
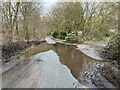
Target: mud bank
<point>10,50</point>
<point>101,76</point>
<point>91,50</point>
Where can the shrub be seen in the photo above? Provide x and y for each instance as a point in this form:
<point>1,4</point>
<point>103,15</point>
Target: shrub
<point>61,36</point>
<point>70,36</point>
<point>55,34</point>
<point>63,33</point>
<point>112,50</point>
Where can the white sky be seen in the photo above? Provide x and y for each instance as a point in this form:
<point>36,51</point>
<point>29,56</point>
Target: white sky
<point>48,5</point>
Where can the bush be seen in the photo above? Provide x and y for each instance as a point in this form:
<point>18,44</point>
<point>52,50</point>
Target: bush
<point>107,35</point>
<point>112,50</point>
<point>61,36</point>
<point>63,33</point>
<point>55,34</point>
<point>69,37</point>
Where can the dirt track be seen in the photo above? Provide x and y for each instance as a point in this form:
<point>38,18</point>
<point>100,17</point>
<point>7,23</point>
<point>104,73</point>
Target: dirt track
<point>43,71</point>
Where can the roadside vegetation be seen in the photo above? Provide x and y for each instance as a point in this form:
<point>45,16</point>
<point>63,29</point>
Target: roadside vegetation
<point>112,50</point>
<point>21,23</point>
<point>83,22</point>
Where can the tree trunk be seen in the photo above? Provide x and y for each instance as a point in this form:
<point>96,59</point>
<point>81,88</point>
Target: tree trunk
<point>17,32</point>
<point>25,25</point>
<point>10,24</point>
<point>34,33</point>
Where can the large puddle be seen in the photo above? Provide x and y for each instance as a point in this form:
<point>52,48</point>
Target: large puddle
<point>76,61</point>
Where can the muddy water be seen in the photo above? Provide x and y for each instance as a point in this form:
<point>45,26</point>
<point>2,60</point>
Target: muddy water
<point>76,61</point>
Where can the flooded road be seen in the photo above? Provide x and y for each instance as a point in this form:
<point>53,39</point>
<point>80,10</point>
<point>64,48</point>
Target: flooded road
<point>75,60</point>
<point>48,66</point>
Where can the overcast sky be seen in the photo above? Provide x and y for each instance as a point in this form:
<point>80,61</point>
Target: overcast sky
<point>48,5</point>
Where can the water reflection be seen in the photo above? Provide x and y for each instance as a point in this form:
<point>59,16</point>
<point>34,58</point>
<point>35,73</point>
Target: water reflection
<point>76,61</point>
